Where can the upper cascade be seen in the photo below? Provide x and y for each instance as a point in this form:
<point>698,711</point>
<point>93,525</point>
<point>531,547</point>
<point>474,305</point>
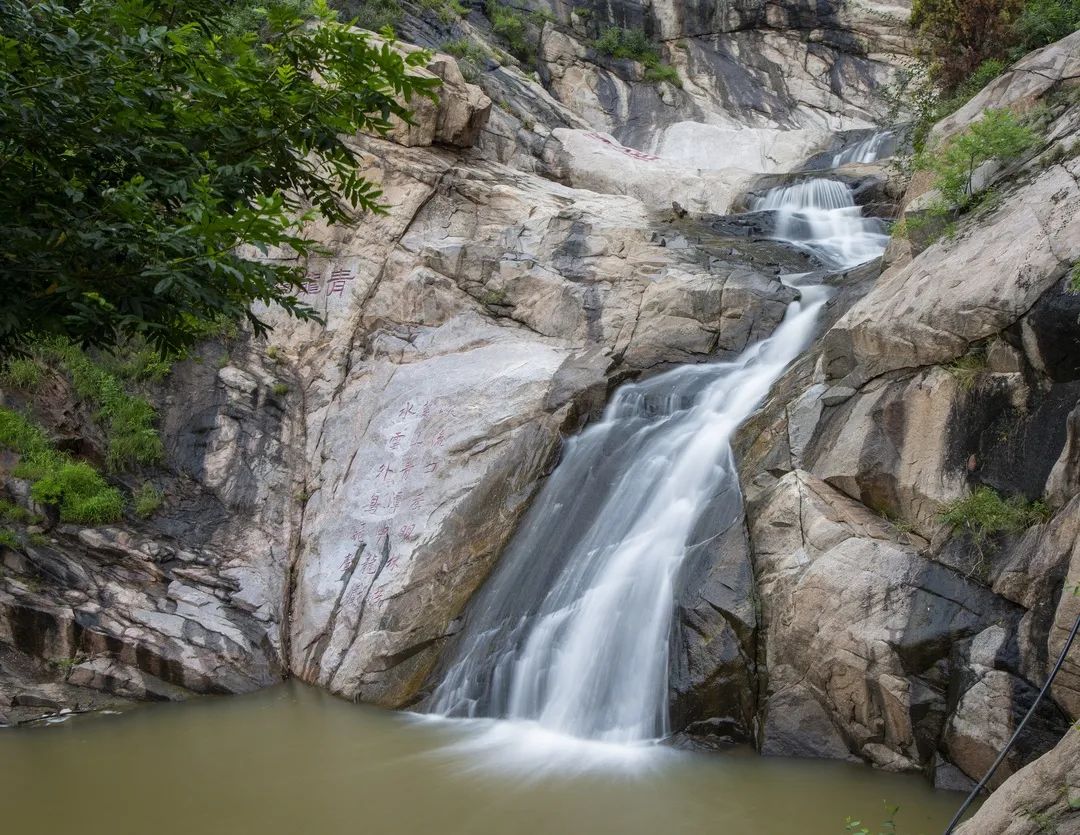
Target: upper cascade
<point>820,216</point>
<point>877,146</point>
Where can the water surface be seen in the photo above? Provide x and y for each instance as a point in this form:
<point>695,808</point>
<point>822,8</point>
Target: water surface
<point>295,761</point>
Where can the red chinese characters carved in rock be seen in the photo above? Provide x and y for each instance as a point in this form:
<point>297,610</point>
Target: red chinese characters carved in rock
<point>311,283</point>
<point>633,153</point>
<point>339,276</point>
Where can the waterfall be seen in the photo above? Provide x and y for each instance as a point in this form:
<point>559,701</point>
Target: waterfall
<point>820,216</point>
<point>571,631</point>
<point>871,149</point>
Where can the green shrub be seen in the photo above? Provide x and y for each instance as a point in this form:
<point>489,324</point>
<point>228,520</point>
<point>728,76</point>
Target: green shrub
<point>280,389</point>
<point>997,135</point>
<point>446,10</point>
<point>1044,21</point>
<point>80,492</point>
<point>10,512</point>
<point>663,72</point>
<point>470,57</point>
<point>634,45</point>
<point>148,500</point>
<point>129,419</point>
<point>18,434</point>
<point>22,372</point>
<point>136,360</point>
<point>8,539</point>
<point>984,514</point>
<point>513,27</point>
<point>1074,279</point>
<point>77,488</point>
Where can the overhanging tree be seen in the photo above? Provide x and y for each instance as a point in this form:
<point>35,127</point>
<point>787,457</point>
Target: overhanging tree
<point>143,141</point>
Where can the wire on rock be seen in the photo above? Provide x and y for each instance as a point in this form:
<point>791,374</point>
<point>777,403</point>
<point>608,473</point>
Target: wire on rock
<point>1016,735</point>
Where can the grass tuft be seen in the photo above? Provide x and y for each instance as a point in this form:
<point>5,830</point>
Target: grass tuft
<point>22,373</point>
<point>984,514</point>
<point>148,500</point>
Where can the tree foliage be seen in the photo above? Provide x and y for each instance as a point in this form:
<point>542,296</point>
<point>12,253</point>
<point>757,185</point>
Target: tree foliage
<point>142,142</point>
<point>963,37</point>
<point>998,135</point>
<point>959,35</point>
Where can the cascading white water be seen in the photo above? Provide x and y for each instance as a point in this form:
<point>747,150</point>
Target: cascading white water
<point>571,632</point>
<point>821,217</point>
<point>869,150</point>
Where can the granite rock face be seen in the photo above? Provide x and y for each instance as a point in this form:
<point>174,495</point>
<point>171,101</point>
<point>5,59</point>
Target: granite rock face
<point>883,633</point>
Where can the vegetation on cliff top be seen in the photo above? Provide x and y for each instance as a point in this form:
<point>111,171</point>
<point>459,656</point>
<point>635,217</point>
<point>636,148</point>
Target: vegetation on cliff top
<point>962,38</point>
<point>142,142</point>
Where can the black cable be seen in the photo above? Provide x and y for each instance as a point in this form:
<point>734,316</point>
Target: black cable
<point>1008,745</point>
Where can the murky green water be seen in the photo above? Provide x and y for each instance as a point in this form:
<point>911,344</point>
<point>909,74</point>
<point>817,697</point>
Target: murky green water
<point>295,761</point>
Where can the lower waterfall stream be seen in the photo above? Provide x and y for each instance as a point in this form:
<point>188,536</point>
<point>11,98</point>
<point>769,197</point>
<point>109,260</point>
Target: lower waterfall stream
<point>571,632</point>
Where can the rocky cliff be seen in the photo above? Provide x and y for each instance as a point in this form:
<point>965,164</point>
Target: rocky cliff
<point>336,495</point>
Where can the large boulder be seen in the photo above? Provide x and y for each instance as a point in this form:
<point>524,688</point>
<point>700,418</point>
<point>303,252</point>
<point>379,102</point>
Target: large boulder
<point>1043,797</point>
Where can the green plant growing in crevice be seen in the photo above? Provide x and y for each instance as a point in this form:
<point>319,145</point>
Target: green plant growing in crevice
<point>64,665</point>
<point>446,10</point>
<point>375,15</point>
<point>147,500</point>
<point>280,389</point>
<point>968,368</point>
<point>10,512</point>
<point>1074,279</point>
<point>8,539</point>
<point>998,135</point>
<point>661,73</point>
<point>80,493</point>
<point>984,514</point>
<point>471,57</point>
<point>634,45</point>
<point>136,360</point>
<point>129,420</point>
<point>513,27</point>
<point>75,487</point>
<point>493,297</point>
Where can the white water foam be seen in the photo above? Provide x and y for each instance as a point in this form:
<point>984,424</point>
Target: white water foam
<point>820,216</point>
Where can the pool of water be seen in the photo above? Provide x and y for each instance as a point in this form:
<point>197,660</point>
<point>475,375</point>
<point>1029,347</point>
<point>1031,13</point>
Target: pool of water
<point>293,760</point>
